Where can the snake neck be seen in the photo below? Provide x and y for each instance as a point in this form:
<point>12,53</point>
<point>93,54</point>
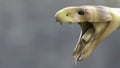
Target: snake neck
<point>116,16</point>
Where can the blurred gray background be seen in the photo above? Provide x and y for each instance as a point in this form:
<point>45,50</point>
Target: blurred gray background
<point>30,37</point>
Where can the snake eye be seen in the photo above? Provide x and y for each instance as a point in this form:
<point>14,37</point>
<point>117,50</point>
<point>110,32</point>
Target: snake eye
<point>81,13</point>
<point>67,14</point>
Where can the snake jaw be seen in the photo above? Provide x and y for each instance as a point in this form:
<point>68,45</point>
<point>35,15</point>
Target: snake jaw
<point>88,39</point>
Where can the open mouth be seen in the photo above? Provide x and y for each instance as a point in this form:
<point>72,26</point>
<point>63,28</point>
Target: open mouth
<point>87,32</point>
<point>89,38</point>
<point>91,35</point>
<point>86,37</point>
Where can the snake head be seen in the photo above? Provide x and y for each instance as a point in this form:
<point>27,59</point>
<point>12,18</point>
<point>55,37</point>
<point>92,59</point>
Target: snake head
<point>96,22</point>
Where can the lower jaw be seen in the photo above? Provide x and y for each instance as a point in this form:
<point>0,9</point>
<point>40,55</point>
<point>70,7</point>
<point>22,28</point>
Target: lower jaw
<point>88,42</point>
<point>85,40</point>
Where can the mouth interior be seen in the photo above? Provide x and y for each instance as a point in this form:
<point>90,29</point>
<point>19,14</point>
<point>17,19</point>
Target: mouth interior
<point>87,31</point>
<point>86,36</point>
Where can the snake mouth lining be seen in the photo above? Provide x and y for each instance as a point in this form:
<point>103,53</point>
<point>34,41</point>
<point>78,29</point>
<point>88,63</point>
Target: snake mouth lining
<point>86,37</point>
<point>87,31</point>
<point>92,33</point>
